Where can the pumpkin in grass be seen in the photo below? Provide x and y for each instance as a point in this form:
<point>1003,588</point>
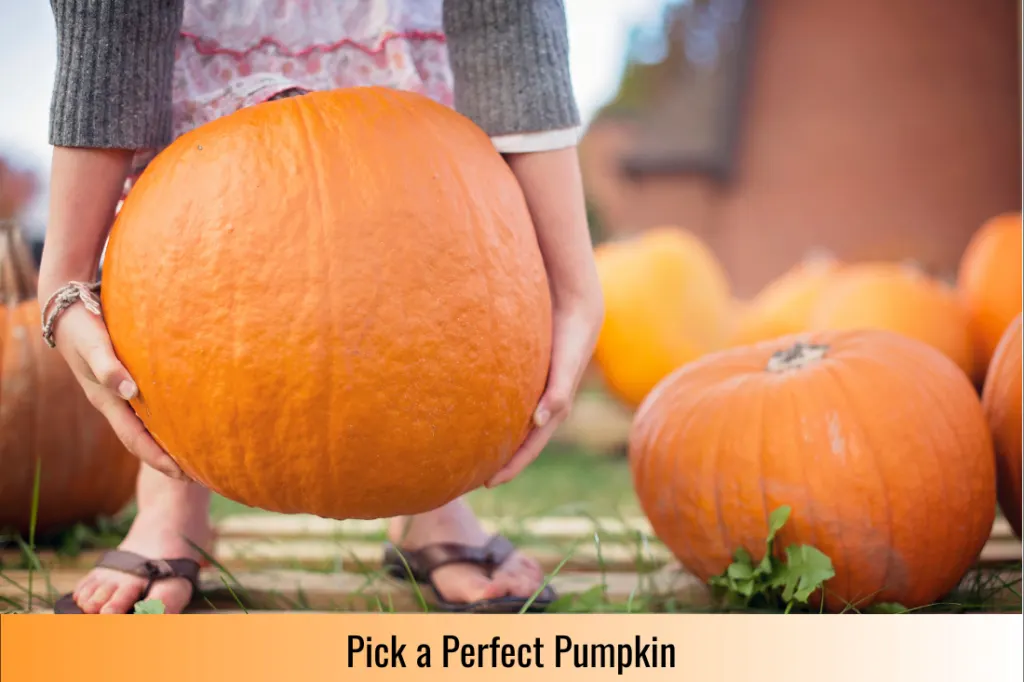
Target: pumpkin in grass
<point>785,305</point>
<point>667,302</point>
<point>989,282</point>
<point>46,420</point>
<point>897,297</point>
<point>876,442</point>
<point>1001,397</point>
<point>332,304</point>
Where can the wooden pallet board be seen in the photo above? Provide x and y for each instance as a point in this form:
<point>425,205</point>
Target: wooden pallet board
<point>284,590</point>
<point>304,526</point>
<point>294,542</point>
<point>347,591</point>
<point>328,554</point>
<point>550,528</point>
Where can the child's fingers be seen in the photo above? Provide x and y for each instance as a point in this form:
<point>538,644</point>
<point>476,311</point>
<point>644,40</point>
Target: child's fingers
<point>133,434</point>
<point>527,453</point>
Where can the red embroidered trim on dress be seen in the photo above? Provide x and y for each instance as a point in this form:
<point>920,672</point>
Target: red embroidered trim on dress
<point>210,47</point>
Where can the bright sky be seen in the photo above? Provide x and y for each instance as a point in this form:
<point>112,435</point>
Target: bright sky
<point>598,31</point>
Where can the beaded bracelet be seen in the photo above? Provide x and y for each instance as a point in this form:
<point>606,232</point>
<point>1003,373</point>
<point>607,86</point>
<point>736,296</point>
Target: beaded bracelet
<point>63,299</point>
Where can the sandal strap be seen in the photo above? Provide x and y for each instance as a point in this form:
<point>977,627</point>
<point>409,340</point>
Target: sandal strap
<point>152,570</point>
<point>424,561</point>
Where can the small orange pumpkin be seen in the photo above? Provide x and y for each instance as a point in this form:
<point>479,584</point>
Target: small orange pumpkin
<point>667,302</point>
<point>1001,398</point>
<point>874,440</point>
<point>900,298</point>
<point>333,304</point>
<point>785,305</point>
<point>46,419</point>
<point>989,282</point>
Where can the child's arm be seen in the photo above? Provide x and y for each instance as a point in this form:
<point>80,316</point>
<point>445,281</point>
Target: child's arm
<point>111,95</point>
<point>111,92</point>
<point>510,62</point>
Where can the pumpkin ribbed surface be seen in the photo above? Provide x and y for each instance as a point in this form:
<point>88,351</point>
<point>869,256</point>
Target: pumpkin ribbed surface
<point>1001,398</point>
<point>667,302</point>
<point>877,442</point>
<point>899,298</point>
<point>333,304</point>
<point>989,281</point>
<point>45,418</point>
<point>784,307</point>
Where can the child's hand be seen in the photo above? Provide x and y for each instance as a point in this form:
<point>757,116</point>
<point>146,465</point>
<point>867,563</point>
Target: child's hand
<point>81,337</point>
<point>554,193</point>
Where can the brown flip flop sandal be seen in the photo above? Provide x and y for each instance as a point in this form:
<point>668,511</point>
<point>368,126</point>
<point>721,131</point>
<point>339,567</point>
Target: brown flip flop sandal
<point>152,569</point>
<point>423,562</point>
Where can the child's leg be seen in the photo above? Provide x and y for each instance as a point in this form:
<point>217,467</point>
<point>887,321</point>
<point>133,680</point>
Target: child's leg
<point>170,514</point>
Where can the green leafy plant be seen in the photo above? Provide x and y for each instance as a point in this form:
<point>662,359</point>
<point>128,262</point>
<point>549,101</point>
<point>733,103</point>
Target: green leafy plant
<point>149,607</point>
<point>771,582</point>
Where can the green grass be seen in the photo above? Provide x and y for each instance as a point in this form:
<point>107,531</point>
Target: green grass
<point>561,482</point>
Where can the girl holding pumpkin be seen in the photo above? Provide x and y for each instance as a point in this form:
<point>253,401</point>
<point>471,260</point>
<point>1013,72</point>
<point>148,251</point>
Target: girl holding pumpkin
<point>134,74</point>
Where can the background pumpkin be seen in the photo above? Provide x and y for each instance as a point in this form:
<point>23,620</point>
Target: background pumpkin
<point>45,417</point>
<point>877,442</point>
<point>332,304</point>
<point>1001,398</point>
<point>667,302</point>
<point>989,282</point>
<point>900,298</point>
<point>785,305</point>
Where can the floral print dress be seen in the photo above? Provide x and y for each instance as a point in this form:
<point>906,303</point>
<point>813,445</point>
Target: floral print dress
<point>236,53</point>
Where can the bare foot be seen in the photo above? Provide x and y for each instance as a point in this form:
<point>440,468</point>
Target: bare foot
<point>169,512</point>
<point>520,576</point>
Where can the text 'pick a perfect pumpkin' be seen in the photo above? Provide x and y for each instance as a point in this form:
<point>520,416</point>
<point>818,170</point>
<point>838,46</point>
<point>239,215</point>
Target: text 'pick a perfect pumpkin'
<point>877,443</point>
<point>1001,397</point>
<point>667,302</point>
<point>332,304</point>
<point>47,421</point>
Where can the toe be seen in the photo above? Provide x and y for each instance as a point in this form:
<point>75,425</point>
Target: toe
<point>99,597</point>
<point>122,600</point>
<point>175,594</point>
<point>462,584</point>
<point>519,577</point>
<point>84,589</point>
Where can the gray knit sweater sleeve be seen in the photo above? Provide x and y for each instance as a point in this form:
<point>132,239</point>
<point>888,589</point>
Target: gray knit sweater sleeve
<point>115,63</point>
<point>510,63</point>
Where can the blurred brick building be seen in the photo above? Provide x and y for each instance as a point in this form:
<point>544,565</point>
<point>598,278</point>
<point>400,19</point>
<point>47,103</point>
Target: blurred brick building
<point>871,129</point>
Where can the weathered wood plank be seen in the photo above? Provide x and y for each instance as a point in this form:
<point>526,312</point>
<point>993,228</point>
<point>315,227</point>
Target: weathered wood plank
<point>550,544</point>
<point>294,526</point>
<point>284,590</point>
<point>303,590</point>
<point>303,526</point>
<point>361,556</point>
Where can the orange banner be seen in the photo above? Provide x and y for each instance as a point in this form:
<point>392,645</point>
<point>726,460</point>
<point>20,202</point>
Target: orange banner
<point>314,648</point>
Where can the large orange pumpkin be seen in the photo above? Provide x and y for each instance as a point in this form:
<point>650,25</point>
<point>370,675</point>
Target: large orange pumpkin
<point>989,282</point>
<point>785,305</point>
<point>332,304</point>
<point>876,442</point>
<point>900,298</point>
<point>46,420</point>
<point>667,302</point>
<point>1001,398</point>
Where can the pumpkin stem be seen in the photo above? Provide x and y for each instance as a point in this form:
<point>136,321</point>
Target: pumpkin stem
<point>18,276</point>
<point>797,356</point>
